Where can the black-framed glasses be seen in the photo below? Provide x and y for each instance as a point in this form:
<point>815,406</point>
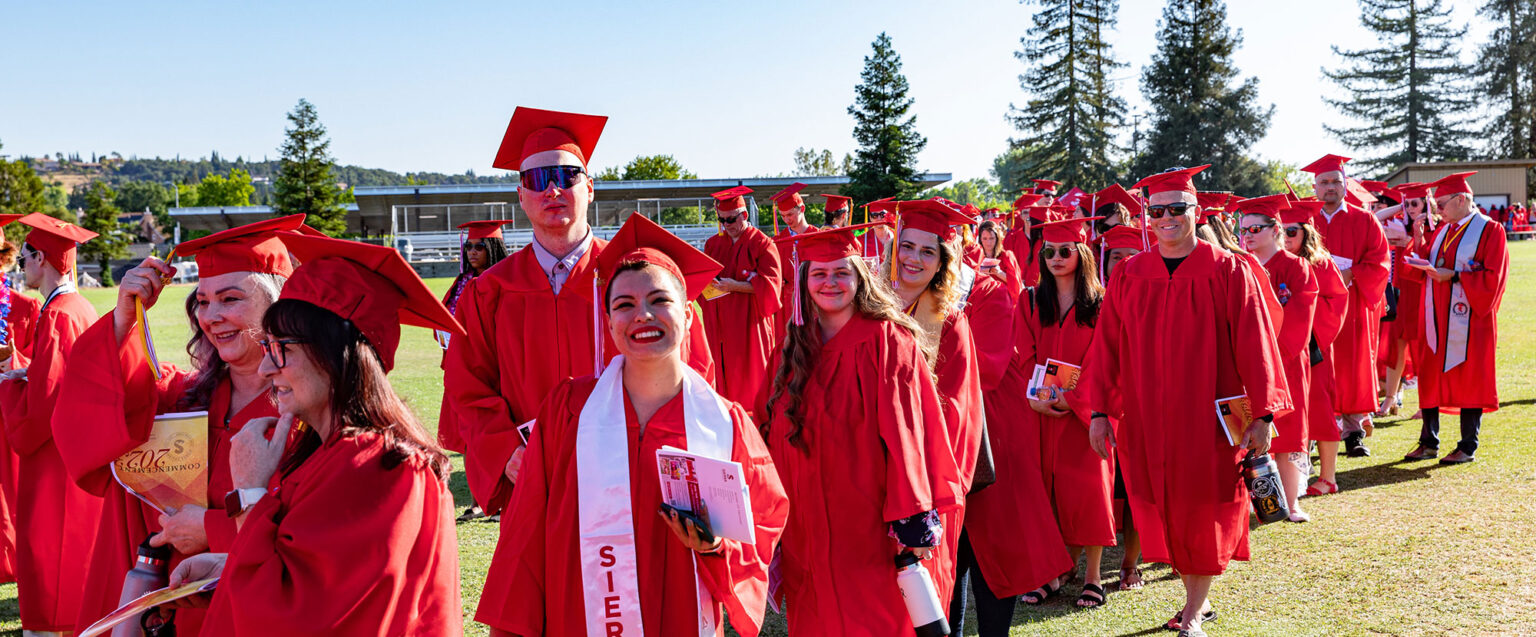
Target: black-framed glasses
<point>1293,231</point>
<point>1256,228</point>
<point>474,245</point>
<point>726,221</point>
<point>1175,209</point>
<point>277,350</point>
<point>877,216</point>
<point>1049,253</point>
<point>539,179</point>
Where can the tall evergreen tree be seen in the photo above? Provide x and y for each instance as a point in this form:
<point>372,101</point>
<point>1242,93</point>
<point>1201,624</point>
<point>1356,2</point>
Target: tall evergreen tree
<point>101,218</point>
<point>304,182</point>
<point>1408,97</point>
<point>1070,123</point>
<point>1507,75</point>
<point>885,164</point>
<point>1200,114</point>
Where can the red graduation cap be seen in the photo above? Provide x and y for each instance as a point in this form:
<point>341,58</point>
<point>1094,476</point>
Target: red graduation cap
<point>838,202</point>
<point>932,216</point>
<point>55,238</point>
<point>1356,194</point>
<point>1301,211</point>
<point>1026,200</point>
<point>1326,164</point>
<point>1044,185</point>
<point>640,239</point>
<point>253,247</point>
<point>1452,184</point>
<point>308,231</point>
<point>1181,180</point>
<point>1074,230</point>
<point>1412,190</point>
<point>488,229</point>
<point>1269,205</point>
<point>788,198</point>
<point>371,286</point>
<point>828,244</point>
<point>1213,202</point>
<point>1375,187</point>
<point>992,211</point>
<point>535,130</point>
<point>1040,214</point>
<point>1125,237</point>
<point>730,199</point>
<point>1116,194</point>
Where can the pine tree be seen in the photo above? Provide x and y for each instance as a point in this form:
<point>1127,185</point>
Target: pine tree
<point>1200,113</point>
<point>101,218</point>
<point>1073,115</point>
<point>1507,72</point>
<point>304,183</point>
<point>1408,96</point>
<point>885,164</point>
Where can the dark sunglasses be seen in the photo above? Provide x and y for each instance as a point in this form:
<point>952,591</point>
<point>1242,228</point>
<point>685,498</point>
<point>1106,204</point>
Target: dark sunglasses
<point>726,221</point>
<point>277,350</point>
<point>478,245</point>
<point>539,179</point>
<point>1051,253</point>
<point>1175,209</point>
<point>1255,229</point>
<point>1293,231</point>
<point>876,216</point>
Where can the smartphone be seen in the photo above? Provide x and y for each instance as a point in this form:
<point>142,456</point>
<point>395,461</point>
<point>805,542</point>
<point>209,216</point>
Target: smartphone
<point>700,526</point>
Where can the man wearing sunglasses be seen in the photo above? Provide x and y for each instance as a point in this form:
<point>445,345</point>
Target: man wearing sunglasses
<point>1184,326</point>
<point>1359,247</point>
<point>875,240</point>
<point>740,325</point>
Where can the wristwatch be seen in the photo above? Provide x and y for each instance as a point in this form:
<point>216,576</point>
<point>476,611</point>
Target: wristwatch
<point>241,500</point>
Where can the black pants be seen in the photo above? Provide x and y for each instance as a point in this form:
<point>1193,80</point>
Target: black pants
<point>1471,423</point>
<point>993,615</point>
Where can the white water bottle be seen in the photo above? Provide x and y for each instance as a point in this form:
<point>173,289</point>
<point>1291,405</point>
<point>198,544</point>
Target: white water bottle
<point>922,598</point>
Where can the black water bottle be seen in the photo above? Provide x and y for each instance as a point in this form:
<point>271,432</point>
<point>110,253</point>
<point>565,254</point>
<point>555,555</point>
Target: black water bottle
<point>1264,488</point>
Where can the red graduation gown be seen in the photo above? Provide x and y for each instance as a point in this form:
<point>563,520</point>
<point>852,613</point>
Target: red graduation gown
<point>876,451</point>
<point>534,587</point>
<point>448,435</point>
<point>1409,324</point>
<point>1356,235</point>
<point>344,546</point>
<point>56,519</point>
<point>1295,332</point>
<point>959,384</point>
<point>1013,532</point>
<point>787,274</point>
<point>19,326</point>
<point>1327,319</point>
<point>1014,273</point>
<point>1081,485</point>
<point>1474,383</point>
<point>740,327</point>
<point>522,340</point>
<point>1017,242</point>
<point>114,399</point>
<point>1168,346</point>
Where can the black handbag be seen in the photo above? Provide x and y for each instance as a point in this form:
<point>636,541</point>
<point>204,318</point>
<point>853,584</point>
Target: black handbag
<point>1391,313</point>
<point>986,471</point>
<point>1314,353</point>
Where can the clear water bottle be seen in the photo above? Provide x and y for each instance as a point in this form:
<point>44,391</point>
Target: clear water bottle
<point>150,572</point>
<point>922,598</point>
<point>1264,488</point>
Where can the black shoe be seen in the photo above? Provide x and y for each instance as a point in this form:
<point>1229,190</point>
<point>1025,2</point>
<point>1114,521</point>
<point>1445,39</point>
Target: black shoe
<point>1423,453</point>
<point>472,513</point>
<point>1354,445</point>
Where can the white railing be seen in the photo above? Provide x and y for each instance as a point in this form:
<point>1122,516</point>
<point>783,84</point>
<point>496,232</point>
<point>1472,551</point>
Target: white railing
<point>444,246</point>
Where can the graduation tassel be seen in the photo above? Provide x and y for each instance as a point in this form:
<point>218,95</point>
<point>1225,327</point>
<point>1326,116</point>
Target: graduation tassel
<point>796,316</point>
<point>895,241</point>
<point>597,327</point>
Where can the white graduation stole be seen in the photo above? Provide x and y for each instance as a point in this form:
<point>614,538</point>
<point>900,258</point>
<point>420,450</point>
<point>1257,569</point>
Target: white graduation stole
<point>1459,318</point>
<point>609,570</point>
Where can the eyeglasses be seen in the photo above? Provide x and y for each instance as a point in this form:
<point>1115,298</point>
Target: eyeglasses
<point>1175,209</point>
<point>876,216</point>
<point>277,350</point>
<point>478,245</point>
<point>1049,253</point>
<point>539,179</point>
<point>726,221</point>
<point>1256,228</point>
<point>1293,231</point>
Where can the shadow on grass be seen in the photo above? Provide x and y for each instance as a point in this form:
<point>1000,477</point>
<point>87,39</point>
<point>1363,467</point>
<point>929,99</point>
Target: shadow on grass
<point>459,485</point>
<point>1386,474</point>
<point>1065,601</point>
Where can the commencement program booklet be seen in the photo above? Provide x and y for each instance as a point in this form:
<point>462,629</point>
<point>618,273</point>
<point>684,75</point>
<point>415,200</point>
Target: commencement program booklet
<point>711,489</point>
<point>170,470</point>
<point>1054,373</point>
<point>132,610</point>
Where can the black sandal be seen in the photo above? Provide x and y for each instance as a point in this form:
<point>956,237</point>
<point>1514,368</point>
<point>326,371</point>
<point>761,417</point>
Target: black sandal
<point>1173,624</point>
<point>1091,590</point>
<point>1039,595</point>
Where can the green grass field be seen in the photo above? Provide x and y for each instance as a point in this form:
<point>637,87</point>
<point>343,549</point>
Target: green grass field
<point>1405,549</point>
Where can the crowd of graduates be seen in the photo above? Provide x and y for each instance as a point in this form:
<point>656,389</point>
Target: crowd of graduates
<point>1000,394</point>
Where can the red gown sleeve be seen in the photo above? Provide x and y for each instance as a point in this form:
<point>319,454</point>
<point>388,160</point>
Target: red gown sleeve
<point>1253,337</point>
<point>1010,265</point>
<point>921,474</point>
<point>1332,301</point>
<point>23,323</point>
<point>27,404</point>
<point>1485,285</point>
<point>956,372</point>
<point>1296,330</point>
<point>1370,267</point>
<point>485,418</point>
<point>737,576</point>
<point>990,313</point>
<point>1102,369</point>
<point>766,286</point>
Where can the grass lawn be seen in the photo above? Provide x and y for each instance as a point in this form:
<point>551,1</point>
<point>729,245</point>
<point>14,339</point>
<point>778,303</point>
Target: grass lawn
<point>1405,549</point>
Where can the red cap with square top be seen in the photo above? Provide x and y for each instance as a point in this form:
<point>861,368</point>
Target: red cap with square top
<point>1044,185</point>
<point>1117,194</point>
<point>730,199</point>
<point>828,244</point>
<point>932,216</point>
<point>1326,164</point>
<point>1213,201</point>
<point>1067,230</point>
<point>55,238</point>
<point>1269,205</point>
<point>534,130</point>
<point>1126,237</point>
<point>1452,184</point>
<point>640,239</point>
<point>1181,180</point>
<point>788,198</point>
<point>1301,211</point>
<point>253,247</point>
<point>1412,190</point>
<point>1026,200</point>
<point>838,202</point>
<point>488,229</point>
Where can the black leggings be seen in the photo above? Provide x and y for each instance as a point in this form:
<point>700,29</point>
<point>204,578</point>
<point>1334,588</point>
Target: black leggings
<point>1471,423</point>
<point>993,615</point>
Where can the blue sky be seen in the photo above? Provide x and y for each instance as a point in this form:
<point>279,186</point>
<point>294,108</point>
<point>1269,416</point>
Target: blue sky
<point>730,89</point>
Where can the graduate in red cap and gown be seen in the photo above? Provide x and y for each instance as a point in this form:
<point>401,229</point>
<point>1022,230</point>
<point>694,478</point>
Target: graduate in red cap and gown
<point>838,211</point>
<point>1021,240</point>
<point>1006,269</point>
<point>358,537</point>
<point>55,518</point>
<point>880,215</point>
<point>593,554</point>
<point>926,274</point>
<point>20,312</point>
<point>484,246</point>
<point>1180,328</point>
<point>740,324</point>
<point>1464,269</point>
<point>856,428</point>
<point>1259,221</point>
<point>788,220</point>
<point>1404,333</point>
<point>115,392</point>
<point>529,320</point>
<point>1359,247</point>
